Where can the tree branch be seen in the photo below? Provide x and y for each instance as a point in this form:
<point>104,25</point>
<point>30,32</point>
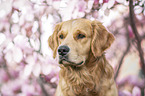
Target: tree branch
<point>6,67</point>
<point>42,87</point>
<point>123,55</point>
<point>40,4</point>
<point>40,33</point>
<point>138,39</point>
<point>121,60</point>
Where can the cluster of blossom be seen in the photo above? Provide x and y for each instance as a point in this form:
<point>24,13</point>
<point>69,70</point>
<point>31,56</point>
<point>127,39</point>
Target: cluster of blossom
<point>24,52</point>
<point>26,64</point>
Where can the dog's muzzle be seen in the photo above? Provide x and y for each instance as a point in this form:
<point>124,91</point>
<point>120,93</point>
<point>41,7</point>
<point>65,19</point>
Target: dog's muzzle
<point>63,56</point>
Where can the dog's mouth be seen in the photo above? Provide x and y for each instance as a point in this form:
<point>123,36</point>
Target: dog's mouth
<point>66,62</point>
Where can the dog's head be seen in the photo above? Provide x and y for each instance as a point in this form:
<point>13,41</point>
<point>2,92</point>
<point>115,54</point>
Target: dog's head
<point>73,40</point>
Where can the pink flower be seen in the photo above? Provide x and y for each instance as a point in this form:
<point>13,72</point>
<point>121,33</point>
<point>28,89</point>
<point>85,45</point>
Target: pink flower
<point>13,55</point>
<point>82,6</point>
<point>14,73</point>
<point>131,35</point>
<point>96,1</point>
<point>136,91</point>
<point>29,90</point>
<point>16,89</point>
<point>4,77</point>
<point>126,93</point>
<point>105,1</point>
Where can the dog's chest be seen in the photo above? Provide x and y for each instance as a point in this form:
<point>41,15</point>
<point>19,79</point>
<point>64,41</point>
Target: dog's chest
<point>82,90</point>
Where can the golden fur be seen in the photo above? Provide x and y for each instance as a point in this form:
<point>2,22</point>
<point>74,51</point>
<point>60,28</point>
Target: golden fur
<point>95,76</point>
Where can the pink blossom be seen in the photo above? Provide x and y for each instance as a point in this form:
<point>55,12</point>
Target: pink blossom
<point>126,93</point>
<point>105,1</point>
<point>136,91</point>
<point>133,80</point>
<point>4,76</point>
<point>29,90</point>
<point>131,35</point>
<point>14,73</point>
<point>96,1</point>
<point>111,3</point>
<point>3,38</point>
<point>37,69</point>
<point>82,6</point>
<point>13,55</point>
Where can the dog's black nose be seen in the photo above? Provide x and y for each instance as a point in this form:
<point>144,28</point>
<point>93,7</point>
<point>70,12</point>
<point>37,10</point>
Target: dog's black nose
<point>63,50</point>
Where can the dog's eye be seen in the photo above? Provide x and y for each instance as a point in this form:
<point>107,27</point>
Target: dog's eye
<point>61,36</point>
<point>80,36</point>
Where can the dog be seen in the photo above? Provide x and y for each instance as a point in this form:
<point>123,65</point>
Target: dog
<point>80,45</point>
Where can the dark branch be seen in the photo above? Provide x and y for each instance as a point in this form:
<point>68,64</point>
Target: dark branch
<point>124,54</point>
<point>42,87</point>
<point>40,33</point>
<point>138,38</point>
<point>6,67</point>
<point>121,60</point>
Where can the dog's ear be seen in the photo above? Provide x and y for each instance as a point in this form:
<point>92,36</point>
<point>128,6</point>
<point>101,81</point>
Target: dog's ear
<point>53,40</point>
<point>101,40</point>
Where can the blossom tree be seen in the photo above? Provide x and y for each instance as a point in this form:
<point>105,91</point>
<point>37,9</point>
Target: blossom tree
<point>26,64</point>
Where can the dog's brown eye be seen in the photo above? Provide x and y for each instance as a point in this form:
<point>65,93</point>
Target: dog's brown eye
<point>80,36</point>
<point>61,36</point>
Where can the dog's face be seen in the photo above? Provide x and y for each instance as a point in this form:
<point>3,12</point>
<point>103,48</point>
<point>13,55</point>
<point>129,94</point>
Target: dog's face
<point>73,40</point>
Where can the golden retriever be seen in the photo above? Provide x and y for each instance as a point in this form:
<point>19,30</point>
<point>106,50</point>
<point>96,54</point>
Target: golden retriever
<point>79,45</point>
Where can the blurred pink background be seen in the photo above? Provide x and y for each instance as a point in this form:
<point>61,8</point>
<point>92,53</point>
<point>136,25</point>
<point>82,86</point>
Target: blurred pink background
<point>26,64</point>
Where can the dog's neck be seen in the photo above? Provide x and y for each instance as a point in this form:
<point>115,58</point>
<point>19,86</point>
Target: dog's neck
<point>93,61</point>
<point>84,78</point>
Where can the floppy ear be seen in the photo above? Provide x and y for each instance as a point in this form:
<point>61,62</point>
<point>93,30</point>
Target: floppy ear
<point>53,40</point>
<point>101,40</point>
